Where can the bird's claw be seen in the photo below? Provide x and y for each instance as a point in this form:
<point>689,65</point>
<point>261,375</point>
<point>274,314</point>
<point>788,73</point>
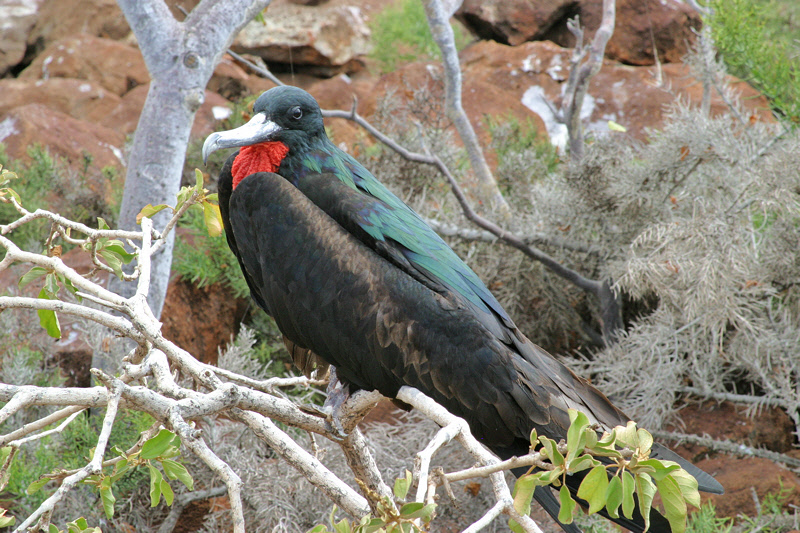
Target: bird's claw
<point>338,394</point>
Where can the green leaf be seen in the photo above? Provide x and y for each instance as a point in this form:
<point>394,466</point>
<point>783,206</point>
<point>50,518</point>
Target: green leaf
<point>37,485</point>
<point>175,470</point>
<point>148,211</point>
<point>213,219</point>
<point>321,528</point>
<point>614,496</point>
<point>117,248</point>
<point>198,180</point>
<point>582,463</point>
<point>213,197</point>
<point>6,521</point>
<point>30,276</point>
<point>661,469</point>
<point>627,436</point>
<point>101,224</point>
<point>401,485</point>
<point>550,476</point>
<point>550,450</point>
<point>53,529</point>
<point>645,490</point>
<point>112,260</point>
<point>48,319</point>
<point>166,490</point>
<point>613,126</point>
<point>107,495</point>
<point>567,510</point>
<point>523,494</point>
<point>343,527</point>
<point>594,487</point>
<point>425,513</point>
<point>50,286</point>
<point>576,434</point>
<point>645,441</point>
<point>11,192</point>
<point>674,504</point>
<point>688,486</point>
<point>628,486</point>
<point>413,510</point>
<point>157,445</point>
<point>155,485</point>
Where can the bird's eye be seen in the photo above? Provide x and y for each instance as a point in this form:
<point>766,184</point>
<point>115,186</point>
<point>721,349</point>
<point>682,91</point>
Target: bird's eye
<point>297,113</point>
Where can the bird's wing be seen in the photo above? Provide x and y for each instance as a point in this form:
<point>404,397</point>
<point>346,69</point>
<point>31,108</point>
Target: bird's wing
<point>368,210</point>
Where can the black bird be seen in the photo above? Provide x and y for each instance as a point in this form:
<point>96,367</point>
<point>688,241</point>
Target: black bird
<point>353,275</point>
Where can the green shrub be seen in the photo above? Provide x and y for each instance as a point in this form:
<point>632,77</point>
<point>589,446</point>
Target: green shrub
<point>205,260</point>
<point>400,34</point>
<point>751,49</point>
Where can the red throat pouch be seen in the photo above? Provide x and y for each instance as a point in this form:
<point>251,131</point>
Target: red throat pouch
<point>261,157</point>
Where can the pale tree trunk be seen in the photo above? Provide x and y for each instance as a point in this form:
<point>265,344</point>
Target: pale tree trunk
<point>180,57</point>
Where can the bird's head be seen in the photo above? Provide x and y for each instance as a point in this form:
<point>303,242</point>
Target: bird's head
<point>284,114</point>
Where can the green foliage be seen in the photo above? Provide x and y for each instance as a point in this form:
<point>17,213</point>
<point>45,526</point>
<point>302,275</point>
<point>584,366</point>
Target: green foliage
<point>626,453</point>
<point>400,34</point>
<point>750,51</point>
<point>205,260</point>
<point>31,469</point>
<point>160,450</point>
<point>389,520</point>
<point>705,521</point>
<point>45,177</point>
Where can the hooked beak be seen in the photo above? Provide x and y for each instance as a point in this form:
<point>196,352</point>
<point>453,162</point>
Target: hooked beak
<point>258,129</point>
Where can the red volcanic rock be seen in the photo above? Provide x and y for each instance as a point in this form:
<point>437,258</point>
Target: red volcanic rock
<point>62,135</point>
<point>115,66</point>
<point>79,99</point>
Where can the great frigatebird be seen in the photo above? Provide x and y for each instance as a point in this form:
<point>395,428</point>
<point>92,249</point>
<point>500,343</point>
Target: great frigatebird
<point>352,274</point>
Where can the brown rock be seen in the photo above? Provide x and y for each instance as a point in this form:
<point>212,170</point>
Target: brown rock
<point>101,18</point>
<point>740,476</point>
<point>481,98</point>
<point>327,38</point>
<point>635,97</point>
<point>513,21</point>
<point>62,135</point>
<point>79,99</point>
<point>339,93</point>
<point>112,65</point>
<point>17,18</point>
<point>64,18</point>
<point>201,320</point>
<point>641,26</point>
<point>229,79</point>
<point>125,116</point>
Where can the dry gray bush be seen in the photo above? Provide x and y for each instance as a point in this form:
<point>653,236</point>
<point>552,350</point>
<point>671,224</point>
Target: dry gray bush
<point>279,499</point>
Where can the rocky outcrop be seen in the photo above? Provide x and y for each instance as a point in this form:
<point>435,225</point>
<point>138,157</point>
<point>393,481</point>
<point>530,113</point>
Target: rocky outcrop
<point>514,21</point>
<point>115,66</point>
<point>326,39</point>
<point>81,99</point>
<point>125,115</point>
<point>635,97</point>
<point>641,27</point>
<point>64,136</point>
<point>17,17</point>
